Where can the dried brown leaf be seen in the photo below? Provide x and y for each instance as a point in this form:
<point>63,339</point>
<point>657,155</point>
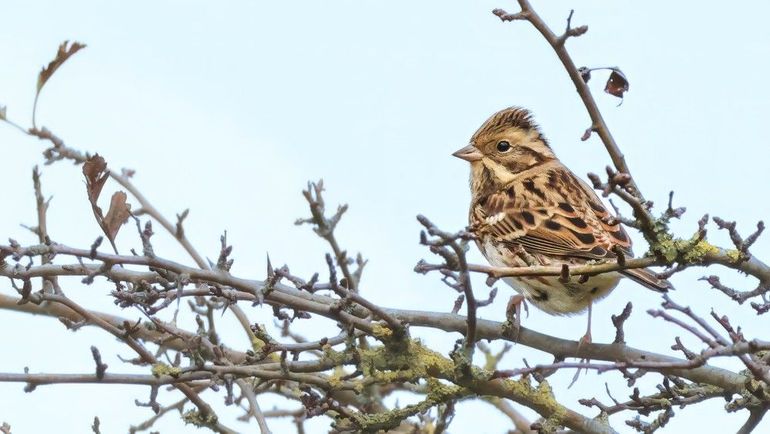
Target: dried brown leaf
<point>617,84</point>
<point>2,113</point>
<point>117,214</point>
<point>96,174</point>
<point>66,50</point>
<point>95,171</point>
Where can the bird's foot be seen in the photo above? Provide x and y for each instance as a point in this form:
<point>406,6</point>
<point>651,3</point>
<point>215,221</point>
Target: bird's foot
<point>582,342</point>
<point>577,374</point>
<point>585,340</point>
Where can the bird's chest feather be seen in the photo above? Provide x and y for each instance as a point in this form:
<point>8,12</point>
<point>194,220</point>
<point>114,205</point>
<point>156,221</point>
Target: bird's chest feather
<point>548,293</point>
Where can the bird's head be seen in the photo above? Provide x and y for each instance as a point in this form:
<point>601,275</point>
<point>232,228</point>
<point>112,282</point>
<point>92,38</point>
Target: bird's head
<point>509,142</point>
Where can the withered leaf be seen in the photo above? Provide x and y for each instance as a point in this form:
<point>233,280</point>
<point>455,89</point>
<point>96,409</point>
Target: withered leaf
<point>617,84</point>
<point>66,50</point>
<point>2,113</point>
<point>117,214</point>
<point>95,171</point>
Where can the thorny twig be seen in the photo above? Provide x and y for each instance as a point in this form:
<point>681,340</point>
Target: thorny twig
<point>164,281</point>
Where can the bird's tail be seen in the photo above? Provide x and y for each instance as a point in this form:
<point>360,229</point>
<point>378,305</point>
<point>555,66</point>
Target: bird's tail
<point>649,279</point>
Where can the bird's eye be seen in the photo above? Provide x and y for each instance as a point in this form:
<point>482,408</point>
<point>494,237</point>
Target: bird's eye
<point>503,146</point>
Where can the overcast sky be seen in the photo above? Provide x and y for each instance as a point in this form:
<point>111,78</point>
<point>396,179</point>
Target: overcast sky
<point>229,108</point>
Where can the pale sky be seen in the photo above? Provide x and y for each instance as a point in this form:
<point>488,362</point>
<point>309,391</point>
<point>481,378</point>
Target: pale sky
<point>229,108</point>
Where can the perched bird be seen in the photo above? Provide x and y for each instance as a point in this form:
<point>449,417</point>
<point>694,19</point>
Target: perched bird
<point>527,208</point>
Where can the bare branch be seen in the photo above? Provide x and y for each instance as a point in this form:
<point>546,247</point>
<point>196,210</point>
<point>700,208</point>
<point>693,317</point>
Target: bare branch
<point>618,320</point>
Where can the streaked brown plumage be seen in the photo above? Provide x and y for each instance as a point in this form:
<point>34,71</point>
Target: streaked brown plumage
<point>528,208</point>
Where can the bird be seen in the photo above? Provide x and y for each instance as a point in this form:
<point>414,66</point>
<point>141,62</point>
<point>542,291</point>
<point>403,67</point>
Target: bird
<point>527,208</point>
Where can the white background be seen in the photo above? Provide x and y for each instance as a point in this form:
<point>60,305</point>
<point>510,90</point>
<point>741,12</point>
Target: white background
<point>229,108</point>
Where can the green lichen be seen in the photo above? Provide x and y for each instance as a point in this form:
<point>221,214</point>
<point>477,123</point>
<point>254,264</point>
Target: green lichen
<point>159,369</point>
<point>335,357</point>
<point>695,253</point>
<point>335,379</point>
<point>666,247</point>
<point>753,394</point>
<point>691,251</point>
<point>438,393</point>
<point>409,361</point>
<point>544,396</point>
<point>195,417</point>
<point>359,387</point>
<point>541,397</point>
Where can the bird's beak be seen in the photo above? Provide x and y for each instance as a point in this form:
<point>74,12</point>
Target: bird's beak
<point>469,153</point>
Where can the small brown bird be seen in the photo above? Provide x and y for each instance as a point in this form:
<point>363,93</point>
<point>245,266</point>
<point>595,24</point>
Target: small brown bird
<point>527,208</point>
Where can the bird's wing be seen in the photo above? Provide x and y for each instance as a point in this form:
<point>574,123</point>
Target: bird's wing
<point>552,213</point>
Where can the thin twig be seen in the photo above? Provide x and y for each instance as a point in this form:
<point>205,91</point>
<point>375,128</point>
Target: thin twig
<point>598,124</point>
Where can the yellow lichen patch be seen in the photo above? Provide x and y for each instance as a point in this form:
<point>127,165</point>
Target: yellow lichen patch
<point>359,386</point>
<point>696,252</point>
<point>406,360</point>
<point>545,395</point>
<point>440,392</point>
<point>336,357</point>
<point>690,251</point>
<point>257,344</point>
<point>381,331</point>
<point>735,255</point>
<point>159,369</point>
<point>513,388</point>
<point>195,417</point>
<point>334,380</point>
